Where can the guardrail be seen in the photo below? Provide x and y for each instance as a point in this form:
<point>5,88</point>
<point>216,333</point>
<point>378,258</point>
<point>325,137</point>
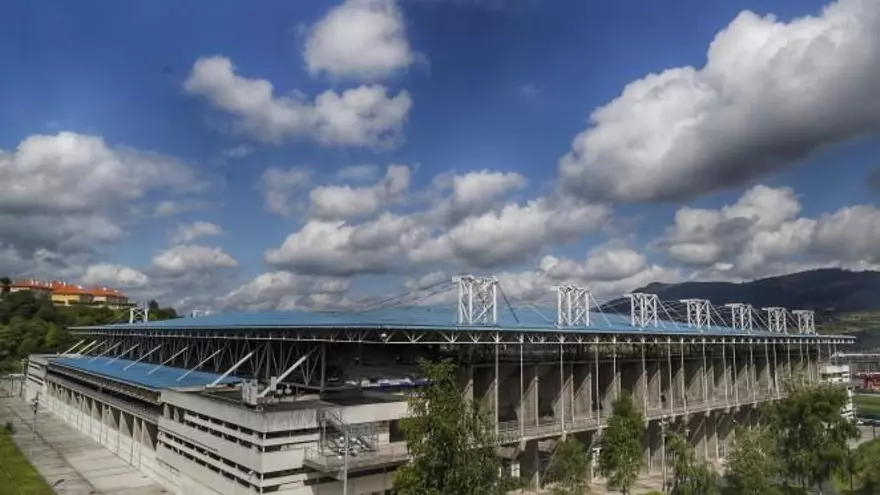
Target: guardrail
<point>325,460</point>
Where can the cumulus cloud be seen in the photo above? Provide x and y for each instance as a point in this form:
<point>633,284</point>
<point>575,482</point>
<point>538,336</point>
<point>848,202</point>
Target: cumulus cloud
<point>362,116</point>
<point>763,234</point>
<point>279,184</point>
<point>189,258</point>
<point>192,231</point>
<point>340,249</point>
<point>68,193</point>
<point>511,233</point>
<point>286,291</point>
<point>363,39</point>
<point>769,94</point>
<point>115,276</point>
<point>343,202</point>
<point>608,271</point>
<point>476,192</point>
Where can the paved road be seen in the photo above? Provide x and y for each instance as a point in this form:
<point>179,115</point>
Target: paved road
<point>78,464</point>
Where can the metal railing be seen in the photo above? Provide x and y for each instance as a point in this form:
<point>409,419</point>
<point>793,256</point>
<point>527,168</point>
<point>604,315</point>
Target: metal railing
<point>327,461</point>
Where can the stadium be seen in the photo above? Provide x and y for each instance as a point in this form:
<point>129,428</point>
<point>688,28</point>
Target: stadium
<point>310,402</point>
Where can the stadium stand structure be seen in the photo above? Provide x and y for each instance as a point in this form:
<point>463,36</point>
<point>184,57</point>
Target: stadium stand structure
<point>309,402</point>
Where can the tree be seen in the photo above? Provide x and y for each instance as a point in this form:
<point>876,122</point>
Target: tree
<point>865,466</point>
<point>689,476</point>
<point>5,284</point>
<point>621,455</point>
<point>570,468</point>
<point>811,434</point>
<point>450,440</point>
<point>752,465</point>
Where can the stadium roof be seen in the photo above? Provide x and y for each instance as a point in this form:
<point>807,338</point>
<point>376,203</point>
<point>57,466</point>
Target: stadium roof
<point>139,373</point>
<point>530,319</point>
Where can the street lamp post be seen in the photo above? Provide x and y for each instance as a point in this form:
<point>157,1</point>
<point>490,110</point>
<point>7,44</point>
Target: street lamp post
<point>36,408</point>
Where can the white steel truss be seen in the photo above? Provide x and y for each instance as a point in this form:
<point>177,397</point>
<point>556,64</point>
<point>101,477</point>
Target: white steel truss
<point>806,320</point>
<point>643,309</point>
<point>776,320</point>
<point>477,300</point>
<point>139,313</point>
<point>572,305</point>
<point>699,312</point>
<point>741,316</point>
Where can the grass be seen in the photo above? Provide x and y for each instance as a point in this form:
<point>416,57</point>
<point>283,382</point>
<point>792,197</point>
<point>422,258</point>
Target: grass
<point>867,405</point>
<point>17,476</point>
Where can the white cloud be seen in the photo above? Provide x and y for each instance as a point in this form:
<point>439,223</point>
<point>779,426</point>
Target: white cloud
<point>770,94</point>
<point>66,195</point>
<point>484,232</point>
<point>763,234</point>
<point>172,207</point>
<point>627,271</point>
<point>114,276</point>
<point>343,202</point>
<point>512,233</point>
<point>189,258</point>
<point>189,232</point>
<point>278,185</point>
<point>364,39</point>
<point>286,291</point>
<point>362,116</point>
<point>337,248</point>
<point>476,192</point>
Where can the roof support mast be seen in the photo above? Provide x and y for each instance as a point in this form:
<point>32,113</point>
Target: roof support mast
<point>572,305</point>
<point>741,317</point>
<point>699,313</point>
<point>139,313</point>
<point>643,309</point>
<point>806,320</point>
<point>776,321</point>
<point>477,300</point>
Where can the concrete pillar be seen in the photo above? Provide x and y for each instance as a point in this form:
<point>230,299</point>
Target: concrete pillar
<point>655,384</point>
<point>607,386</point>
<point>528,410</point>
<point>530,465</point>
<point>712,419</point>
<point>484,389</point>
<point>466,382</point>
<point>582,378</point>
<point>566,396</point>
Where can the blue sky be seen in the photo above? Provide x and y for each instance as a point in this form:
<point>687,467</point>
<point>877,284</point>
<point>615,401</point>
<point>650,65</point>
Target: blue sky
<point>477,103</point>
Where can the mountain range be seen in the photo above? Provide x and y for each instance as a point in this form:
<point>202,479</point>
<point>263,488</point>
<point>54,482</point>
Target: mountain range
<point>844,301</point>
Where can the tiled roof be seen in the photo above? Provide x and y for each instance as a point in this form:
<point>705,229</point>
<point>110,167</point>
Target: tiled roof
<point>63,288</point>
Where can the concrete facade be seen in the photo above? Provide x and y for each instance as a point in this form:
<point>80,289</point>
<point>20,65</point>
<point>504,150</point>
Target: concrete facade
<point>198,441</point>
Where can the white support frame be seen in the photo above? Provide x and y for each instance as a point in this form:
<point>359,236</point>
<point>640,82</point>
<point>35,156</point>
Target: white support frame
<point>643,309</point>
<point>806,321</point>
<point>776,319</point>
<point>699,313</point>
<point>477,300</point>
<point>741,316</point>
<point>572,305</point>
<point>139,313</point>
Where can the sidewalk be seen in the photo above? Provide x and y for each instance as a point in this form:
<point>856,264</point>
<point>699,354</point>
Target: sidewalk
<point>67,459</point>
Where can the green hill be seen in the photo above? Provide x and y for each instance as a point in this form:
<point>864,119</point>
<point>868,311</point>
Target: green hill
<point>31,324</point>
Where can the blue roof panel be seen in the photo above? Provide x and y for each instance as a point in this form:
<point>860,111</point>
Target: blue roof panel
<point>139,373</point>
<point>419,317</point>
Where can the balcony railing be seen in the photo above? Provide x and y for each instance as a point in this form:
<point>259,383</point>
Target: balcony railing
<point>328,461</point>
